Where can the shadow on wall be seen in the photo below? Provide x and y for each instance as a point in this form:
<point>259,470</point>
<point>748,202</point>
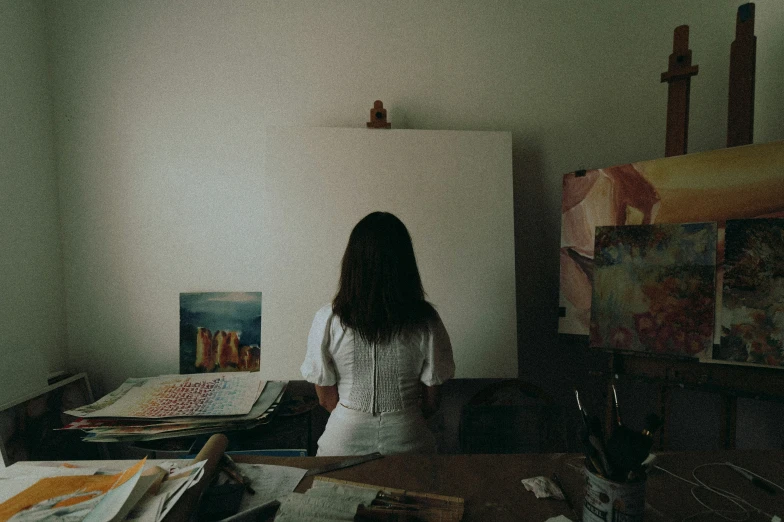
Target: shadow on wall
<point>537,240</point>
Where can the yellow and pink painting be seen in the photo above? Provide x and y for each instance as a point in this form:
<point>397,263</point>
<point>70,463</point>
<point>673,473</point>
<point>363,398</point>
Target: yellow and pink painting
<point>654,288</point>
<point>716,186</point>
<point>752,317</point>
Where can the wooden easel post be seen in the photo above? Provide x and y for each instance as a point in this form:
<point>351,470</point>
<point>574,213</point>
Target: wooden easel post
<point>678,75</point>
<point>743,59</point>
<point>740,131</point>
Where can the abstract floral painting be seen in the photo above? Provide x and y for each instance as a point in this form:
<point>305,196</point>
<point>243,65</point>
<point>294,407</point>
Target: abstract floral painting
<point>752,317</point>
<point>220,332</point>
<point>654,288</point>
<point>733,183</point>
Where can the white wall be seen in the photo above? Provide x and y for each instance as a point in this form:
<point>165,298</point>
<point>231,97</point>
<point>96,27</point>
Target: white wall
<point>163,89</point>
<point>32,318</point>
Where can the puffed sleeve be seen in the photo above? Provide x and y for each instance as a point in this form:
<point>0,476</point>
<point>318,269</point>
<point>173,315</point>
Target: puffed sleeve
<point>318,366</point>
<point>439,365</point>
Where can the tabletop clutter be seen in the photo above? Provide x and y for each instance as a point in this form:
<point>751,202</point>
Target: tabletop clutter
<point>615,468</point>
<point>170,406</point>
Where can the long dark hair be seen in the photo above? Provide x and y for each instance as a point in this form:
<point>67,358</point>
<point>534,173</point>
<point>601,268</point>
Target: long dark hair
<point>380,294</point>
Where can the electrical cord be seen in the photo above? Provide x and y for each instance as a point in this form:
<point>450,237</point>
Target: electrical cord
<point>742,513</point>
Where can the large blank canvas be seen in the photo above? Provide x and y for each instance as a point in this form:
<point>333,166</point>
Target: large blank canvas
<point>453,191</point>
<point>270,210</point>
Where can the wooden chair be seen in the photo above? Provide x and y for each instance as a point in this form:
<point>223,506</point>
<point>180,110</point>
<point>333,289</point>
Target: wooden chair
<point>512,416</point>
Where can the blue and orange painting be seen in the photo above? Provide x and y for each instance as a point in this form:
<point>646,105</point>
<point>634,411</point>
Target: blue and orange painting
<point>220,332</point>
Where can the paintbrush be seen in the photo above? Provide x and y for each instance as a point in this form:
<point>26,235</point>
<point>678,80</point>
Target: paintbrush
<point>557,481</point>
<point>596,439</point>
<point>591,455</point>
<point>617,408</point>
<point>583,413</point>
<point>652,423</point>
<point>627,449</point>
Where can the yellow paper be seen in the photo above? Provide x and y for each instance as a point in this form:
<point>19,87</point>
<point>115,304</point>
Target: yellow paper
<point>64,491</point>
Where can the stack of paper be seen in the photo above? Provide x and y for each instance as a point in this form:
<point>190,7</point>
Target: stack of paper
<point>168,406</point>
<point>142,491</point>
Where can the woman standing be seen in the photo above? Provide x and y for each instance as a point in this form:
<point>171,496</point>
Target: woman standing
<point>379,352</point>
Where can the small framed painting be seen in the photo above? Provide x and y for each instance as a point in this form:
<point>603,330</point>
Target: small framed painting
<point>30,427</point>
<point>220,332</point>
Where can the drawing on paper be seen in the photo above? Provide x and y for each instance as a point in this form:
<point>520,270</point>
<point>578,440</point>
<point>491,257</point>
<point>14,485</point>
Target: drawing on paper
<point>654,288</point>
<point>752,316</point>
<point>164,396</point>
<point>734,183</point>
<point>220,332</point>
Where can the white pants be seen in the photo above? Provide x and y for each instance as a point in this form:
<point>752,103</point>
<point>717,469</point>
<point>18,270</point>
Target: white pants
<point>352,432</point>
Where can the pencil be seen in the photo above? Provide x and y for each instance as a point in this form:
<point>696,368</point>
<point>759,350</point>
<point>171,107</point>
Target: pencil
<point>568,501</point>
<point>762,484</point>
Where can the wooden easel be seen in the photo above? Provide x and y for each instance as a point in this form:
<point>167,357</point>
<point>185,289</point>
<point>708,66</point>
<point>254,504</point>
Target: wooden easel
<point>678,75</point>
<point>730,381</point>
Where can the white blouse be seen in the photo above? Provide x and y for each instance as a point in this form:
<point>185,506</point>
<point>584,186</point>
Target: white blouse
<point>376,378</point>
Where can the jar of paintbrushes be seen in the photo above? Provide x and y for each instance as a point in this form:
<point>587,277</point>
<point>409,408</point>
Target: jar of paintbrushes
<point>615,473</point>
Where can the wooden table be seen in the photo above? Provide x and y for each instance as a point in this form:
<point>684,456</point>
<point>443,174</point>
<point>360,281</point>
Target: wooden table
<point>491,487</point>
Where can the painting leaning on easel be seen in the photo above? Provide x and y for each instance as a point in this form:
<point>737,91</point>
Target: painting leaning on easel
<point>654,288</point>
<point>220,332</point>
<point>752,316</point>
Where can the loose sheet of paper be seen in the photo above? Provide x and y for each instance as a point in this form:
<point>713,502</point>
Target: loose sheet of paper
<point>325,502</point>
<point>543,487</point>
<point>148,509</point>
<point>27,469</point>
<point>269,482</point>
<point>13,486</point>
<point>178,481</point>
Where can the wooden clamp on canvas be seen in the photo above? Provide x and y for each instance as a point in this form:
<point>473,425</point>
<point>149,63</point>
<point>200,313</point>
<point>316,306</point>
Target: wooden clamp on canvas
<point>378,117</point>
<point>678,75</point>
